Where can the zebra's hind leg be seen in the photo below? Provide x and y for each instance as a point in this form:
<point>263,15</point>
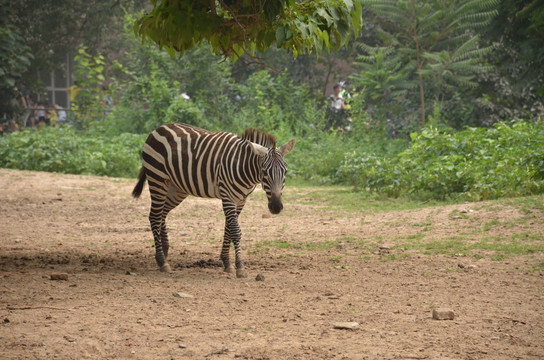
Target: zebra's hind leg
<point>158,193</point>
<point>240,271</point>
<point>173,199</point>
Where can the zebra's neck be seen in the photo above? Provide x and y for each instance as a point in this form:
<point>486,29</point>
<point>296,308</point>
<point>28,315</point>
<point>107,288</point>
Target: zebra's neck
<point>256,167</point>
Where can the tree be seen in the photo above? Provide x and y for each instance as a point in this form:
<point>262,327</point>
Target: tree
<point>53,29</point>
<point>516,88</point>
<point>15,58</point>
<point>518,31</point>
<point>435,42</point>
<point>382,86</point>
<point>236,29</point>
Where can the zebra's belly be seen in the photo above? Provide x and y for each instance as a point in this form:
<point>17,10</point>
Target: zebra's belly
<point>211,191</point>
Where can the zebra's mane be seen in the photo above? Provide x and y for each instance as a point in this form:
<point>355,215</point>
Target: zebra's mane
<point>260,137</point>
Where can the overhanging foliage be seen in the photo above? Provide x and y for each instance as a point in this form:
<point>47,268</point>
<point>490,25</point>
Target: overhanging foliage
<point>239,28</point>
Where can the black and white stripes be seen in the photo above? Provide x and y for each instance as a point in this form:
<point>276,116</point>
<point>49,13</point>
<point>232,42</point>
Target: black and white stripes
<point>181,160</point>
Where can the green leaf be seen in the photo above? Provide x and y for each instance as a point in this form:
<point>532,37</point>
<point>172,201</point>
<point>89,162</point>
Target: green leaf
<point>280,36</point>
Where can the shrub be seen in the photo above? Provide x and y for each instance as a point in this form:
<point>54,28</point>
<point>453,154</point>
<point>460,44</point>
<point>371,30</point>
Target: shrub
<point>61,149</point>
<point>474,164</point>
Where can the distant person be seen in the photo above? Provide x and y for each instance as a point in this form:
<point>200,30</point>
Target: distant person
<point>8,126</point>
<point>52,115</point>
<point>338,114</point>
<point>13,125</point>
<point>61,114</point>
<point>41,114</point>
<point>73,92</point>
<point>28,114</point>
<point>107,101</point>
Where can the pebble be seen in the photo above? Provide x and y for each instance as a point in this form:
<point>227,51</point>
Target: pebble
<point>266,216</point>
<point>182,346</point>
<point>59,276</point>
<point>443,314</point>
<point>467,267</point>
<point>182,295</point>
<point>341,246</point>
<point>346,325</point>
<point>384,249</point>
<point>69,338</point>
<point>259,277</point>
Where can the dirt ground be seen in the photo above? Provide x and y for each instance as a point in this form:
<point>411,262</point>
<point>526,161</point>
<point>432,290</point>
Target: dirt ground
<point>320,266</point>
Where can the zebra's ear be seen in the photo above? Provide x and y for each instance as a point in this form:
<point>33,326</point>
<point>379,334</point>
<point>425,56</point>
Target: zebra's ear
<point>258,149</point>
<point>287,147</point>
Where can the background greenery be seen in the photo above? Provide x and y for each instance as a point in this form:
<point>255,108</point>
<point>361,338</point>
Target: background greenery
<point>446,111</point>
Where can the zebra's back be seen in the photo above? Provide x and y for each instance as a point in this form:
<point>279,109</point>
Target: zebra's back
<point>188,156</point>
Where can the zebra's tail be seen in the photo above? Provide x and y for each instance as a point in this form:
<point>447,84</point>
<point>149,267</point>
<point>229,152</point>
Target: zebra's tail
<point>140,185</point>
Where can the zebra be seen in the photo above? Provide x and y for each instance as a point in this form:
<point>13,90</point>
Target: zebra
<point>179,160</point>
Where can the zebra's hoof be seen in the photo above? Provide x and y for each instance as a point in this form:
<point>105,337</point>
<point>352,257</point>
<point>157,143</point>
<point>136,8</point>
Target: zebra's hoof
<point>229,270</point>
<point>166,268</point>
<point>241,273</point>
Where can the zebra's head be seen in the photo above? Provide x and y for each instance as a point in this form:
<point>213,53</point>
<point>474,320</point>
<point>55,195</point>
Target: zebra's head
<point>273,171</point>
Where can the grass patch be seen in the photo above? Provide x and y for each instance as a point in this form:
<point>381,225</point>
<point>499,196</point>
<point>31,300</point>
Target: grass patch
<point>266,245</point>
<point>457,214</point>
<point>352,240</point>
<point>449,246</point>
<point>489,225</point>
<point>477,239</point>
<point>344,198</point>
<point>394,257</point>
<point>497,248</point>
<point>538,267</point>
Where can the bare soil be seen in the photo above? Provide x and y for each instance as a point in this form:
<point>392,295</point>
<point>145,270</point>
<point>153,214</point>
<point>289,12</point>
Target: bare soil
<point>320,266</point>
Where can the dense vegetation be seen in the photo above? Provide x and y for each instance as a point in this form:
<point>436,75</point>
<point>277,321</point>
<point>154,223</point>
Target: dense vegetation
<point>434,116</point>
<point>474,164</point>
<point>63,150</point>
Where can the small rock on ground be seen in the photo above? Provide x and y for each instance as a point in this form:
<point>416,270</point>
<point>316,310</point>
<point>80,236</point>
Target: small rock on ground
<point>59,276</point>
<point>346,325</point>
<point>182,295</point>
<point>443,314</point>
<point>259,277</point>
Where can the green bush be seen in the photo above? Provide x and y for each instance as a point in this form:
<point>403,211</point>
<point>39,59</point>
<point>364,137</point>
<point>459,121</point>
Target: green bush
<point>61,149</point>
<point>184,111</point>
<point>474,164</point>
<point>319,154</point>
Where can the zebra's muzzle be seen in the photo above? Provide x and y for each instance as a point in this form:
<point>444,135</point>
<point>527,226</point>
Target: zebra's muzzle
<point>275,205</point>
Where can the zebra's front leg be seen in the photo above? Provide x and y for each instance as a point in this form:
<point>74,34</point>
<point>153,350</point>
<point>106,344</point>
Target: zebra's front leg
<point>233,234</point>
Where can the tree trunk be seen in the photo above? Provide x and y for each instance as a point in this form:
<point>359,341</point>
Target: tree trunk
<point>419,62</point>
